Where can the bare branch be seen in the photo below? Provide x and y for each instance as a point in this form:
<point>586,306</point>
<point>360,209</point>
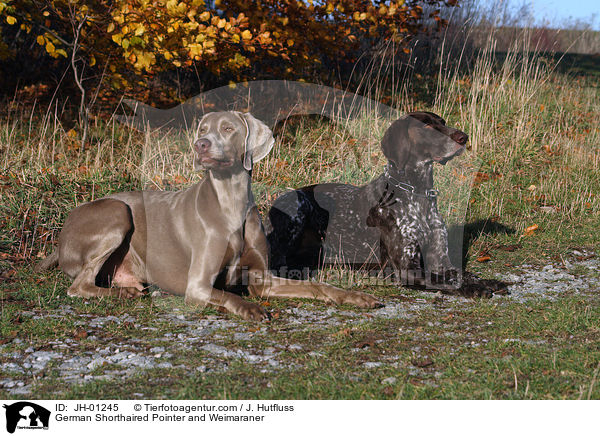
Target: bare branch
<point>78,76</point>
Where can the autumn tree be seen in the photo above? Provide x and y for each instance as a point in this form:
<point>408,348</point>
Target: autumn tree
<point>133,41</point>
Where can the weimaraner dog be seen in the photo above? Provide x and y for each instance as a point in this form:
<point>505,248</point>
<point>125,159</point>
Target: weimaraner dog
<point>187,241</point>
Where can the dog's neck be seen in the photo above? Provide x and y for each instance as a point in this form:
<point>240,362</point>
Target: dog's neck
<point>421,174</point>
<point>417,178</point>
<point>233,190</point>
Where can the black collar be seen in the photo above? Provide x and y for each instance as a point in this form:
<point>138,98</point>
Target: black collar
<point>429,193</point>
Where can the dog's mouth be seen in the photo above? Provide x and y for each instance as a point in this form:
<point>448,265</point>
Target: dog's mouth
<point>211,162</point>
<point>206,161</point>
<point>456,152</point>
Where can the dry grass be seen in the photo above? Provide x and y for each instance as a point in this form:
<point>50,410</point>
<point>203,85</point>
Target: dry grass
<point>535,132</point>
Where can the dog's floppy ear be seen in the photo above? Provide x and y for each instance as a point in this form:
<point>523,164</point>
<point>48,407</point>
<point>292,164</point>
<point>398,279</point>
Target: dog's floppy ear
<point>396,142</point>
<point>259,140</point>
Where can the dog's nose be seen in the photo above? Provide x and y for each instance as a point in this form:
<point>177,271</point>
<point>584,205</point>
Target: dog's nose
<point>460,137</point>
<point>202,145</point>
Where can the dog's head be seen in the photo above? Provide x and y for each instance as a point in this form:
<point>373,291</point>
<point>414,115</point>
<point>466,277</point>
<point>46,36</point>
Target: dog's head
<point>227,139</point>
<point>421,138</point>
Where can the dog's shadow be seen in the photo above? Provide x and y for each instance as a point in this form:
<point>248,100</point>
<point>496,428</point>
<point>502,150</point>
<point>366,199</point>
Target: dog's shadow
<point>460,238</point>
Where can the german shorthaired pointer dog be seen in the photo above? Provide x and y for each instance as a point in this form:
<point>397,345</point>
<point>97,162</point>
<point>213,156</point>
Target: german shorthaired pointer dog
<point>392,223</point>
<point>197,243</point>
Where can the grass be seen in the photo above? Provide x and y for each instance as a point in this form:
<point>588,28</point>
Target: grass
<point>534,130</point>
<point>480,350</point>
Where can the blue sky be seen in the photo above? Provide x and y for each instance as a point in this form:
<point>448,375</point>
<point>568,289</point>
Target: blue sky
<point>557,11</point>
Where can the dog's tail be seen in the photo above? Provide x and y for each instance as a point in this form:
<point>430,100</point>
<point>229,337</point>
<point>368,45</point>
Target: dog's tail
<point>47,263</point>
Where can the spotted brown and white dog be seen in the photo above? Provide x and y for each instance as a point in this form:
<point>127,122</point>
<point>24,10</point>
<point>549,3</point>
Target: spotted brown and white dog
<point>391,223</point>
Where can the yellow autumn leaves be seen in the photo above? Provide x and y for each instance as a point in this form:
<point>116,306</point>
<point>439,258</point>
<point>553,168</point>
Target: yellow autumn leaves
<point>176,32</point>
<point>135,38</point>
<point>49,43</point>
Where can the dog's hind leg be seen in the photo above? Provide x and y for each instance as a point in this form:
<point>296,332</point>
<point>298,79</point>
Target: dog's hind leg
<point>91,234</point>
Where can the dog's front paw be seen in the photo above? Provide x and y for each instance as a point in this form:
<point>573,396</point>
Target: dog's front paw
<point>444,280</point>
<point>453,279</point>
<point>361,299</point>
<point>476,291</point>
<point>251,312</point>
<point>476,287</point>
<point>130,292</point>
<point>498,287</point>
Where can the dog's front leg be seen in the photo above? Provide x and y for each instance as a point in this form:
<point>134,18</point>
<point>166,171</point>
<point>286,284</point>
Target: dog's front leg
<point>205,266</point>
<point>404,259</point>
<point>262,283</point>
<point>440,273</point>
<point>201,294</point>
<point>265,285</point>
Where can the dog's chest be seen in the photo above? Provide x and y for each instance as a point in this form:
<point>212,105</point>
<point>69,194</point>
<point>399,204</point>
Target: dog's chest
<point>406,225</point>
<point>410,218</point>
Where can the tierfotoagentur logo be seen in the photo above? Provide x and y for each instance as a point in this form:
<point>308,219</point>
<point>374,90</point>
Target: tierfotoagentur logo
<point>26,416</point>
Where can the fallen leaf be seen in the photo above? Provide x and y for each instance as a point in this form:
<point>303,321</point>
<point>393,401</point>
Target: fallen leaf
<point>388,390</point>
<point>343,332</point>
<point>531,230</point>
<point>484,258</point>
<point>510,247</point>
<point>369,342</point>
<point>80,334</point>
<point>481,177</point>
<point>424,363</point>
<point>8,337</point>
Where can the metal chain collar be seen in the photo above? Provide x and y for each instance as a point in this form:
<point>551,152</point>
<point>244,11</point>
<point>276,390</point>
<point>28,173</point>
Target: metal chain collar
<point>429,193</point>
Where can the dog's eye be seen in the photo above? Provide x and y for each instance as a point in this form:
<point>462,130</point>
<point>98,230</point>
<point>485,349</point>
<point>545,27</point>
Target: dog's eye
<point>202,130</point>
<point>228,128</point>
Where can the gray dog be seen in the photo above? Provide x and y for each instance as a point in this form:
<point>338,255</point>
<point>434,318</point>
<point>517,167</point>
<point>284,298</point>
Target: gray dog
<point>187,241</point>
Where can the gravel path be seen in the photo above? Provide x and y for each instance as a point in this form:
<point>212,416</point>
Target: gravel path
<point>74,362</point>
